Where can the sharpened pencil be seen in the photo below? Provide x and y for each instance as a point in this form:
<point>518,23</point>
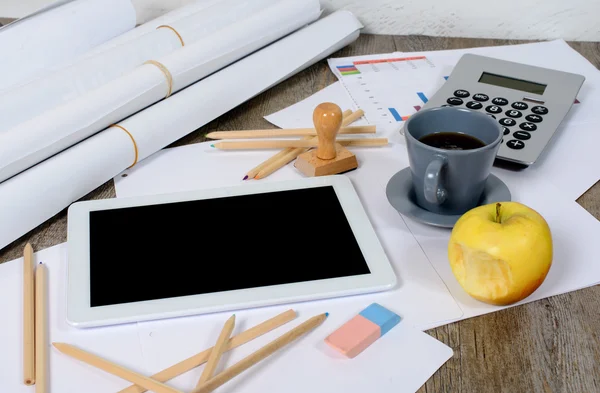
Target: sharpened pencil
<point>261,354</point>
<point>285,132</point>
<point>217,351</point>
<point>278,144</point>
<point>28,317</point>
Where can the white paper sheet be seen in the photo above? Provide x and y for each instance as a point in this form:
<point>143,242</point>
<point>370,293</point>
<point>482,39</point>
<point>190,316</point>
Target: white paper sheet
<point>120,344</point>
<point>575,231</point>
<point>421,298</point>
<point>68,176</point>
<point>299,115</point>
<point>87,73</point>
<point>570,161</point>
<point>53,38</point>
<point>43,136</point>
<point>149,347</point>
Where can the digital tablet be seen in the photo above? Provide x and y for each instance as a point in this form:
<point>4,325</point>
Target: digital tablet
<point>252,245</point>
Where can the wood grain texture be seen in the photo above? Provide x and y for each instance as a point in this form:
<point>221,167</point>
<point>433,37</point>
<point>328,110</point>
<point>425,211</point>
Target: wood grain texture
<point>552,345</point>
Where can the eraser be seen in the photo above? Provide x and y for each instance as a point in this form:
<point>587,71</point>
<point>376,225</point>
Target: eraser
<point>357,334</point>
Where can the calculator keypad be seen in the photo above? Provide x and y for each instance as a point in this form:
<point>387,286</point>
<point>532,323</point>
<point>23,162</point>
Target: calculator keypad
<point>523,133</point>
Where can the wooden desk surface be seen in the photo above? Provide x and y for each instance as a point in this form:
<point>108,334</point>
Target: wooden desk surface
<point>552,345</point>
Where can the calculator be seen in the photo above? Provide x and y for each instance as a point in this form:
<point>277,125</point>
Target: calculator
<point>529,102</point>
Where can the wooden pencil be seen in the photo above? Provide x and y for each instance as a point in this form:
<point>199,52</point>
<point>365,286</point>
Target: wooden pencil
<point>290,154</point>
<point>260,354</point>
<point>254,171</point>
<point>248,134</point>
<point>198,359</point>
<point>217,351</point>
<point>41,334</point>
<point>114,369</point>
<point>278,144</point>
<point>28,317</point>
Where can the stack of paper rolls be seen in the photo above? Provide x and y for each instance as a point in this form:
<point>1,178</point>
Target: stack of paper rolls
<point>93,70</point>
<point>36,139</point>
<point>42,191</point>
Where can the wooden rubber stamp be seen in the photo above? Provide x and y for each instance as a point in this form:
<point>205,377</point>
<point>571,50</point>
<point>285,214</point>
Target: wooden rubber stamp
<point>329,158</point>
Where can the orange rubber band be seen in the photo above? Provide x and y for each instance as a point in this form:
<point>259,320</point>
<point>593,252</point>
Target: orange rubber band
<point>174,31</point>
<point>135,147</point>
<point>167,75</point>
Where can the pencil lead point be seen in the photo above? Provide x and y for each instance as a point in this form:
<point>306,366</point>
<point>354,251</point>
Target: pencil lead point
<point>212,145</point>
<point>245,177</point>
<point>326,314</point>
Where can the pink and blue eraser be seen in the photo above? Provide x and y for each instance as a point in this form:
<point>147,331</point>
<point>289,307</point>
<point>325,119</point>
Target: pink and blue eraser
<point>357,334</point>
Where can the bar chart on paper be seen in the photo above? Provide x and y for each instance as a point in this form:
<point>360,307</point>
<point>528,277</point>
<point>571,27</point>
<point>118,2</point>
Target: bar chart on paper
<point>389,89</point>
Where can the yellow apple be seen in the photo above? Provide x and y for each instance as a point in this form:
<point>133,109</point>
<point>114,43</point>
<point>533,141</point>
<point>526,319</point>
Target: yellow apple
<point>500,253</point>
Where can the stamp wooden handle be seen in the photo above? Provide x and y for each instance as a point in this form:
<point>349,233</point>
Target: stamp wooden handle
<point>327,119</point>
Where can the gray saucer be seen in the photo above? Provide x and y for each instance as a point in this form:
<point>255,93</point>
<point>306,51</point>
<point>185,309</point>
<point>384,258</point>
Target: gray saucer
<point>401,196</point>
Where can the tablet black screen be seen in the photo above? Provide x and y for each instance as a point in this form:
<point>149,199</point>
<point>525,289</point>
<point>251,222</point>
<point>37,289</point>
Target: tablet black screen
<point>213,245</point>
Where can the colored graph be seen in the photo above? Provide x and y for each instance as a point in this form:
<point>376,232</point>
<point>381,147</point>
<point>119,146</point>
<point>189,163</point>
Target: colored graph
<point>397,116</point>
<point>348,70</point>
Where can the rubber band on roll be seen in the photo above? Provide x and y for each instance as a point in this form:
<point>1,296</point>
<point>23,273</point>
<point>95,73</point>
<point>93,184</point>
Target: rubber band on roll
<point>135,147</point>
<point>167,75</point>
<point>174,31</point>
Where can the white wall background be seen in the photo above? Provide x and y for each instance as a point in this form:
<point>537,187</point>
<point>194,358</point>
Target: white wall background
<point>577,20</point>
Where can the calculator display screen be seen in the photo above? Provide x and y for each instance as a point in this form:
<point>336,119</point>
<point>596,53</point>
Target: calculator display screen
<point>512,83</point>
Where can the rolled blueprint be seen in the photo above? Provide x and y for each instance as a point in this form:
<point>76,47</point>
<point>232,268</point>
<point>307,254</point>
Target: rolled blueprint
<point>42,191</point>
<point>50,39</point>
<point>26,101</point>
<point>53,131</point>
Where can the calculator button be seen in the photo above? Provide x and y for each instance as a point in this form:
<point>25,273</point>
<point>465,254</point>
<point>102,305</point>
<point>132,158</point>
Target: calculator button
<point>513,113</point>
<point>520,105</point>
<point>493,109</point>
<point>505,130</point>
<point>527,126</point>
<point>481,97</point>
<point>522,135</point>
<point>539,110</point>
<point>474,105</point>
<point>534,118</point>
<point>499,101</point>
<point>507,122</point>
<point>515,144</point>
<point>461,93</point>
<point>454,101</point>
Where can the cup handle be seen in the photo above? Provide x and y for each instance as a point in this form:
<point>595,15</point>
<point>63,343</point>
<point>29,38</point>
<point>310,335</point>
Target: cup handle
<point>432,185</point>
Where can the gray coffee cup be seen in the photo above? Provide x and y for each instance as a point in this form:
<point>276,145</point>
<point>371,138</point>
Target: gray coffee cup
<point>450,181</point>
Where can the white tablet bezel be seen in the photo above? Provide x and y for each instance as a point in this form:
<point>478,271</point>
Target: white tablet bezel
<point>80,314</point>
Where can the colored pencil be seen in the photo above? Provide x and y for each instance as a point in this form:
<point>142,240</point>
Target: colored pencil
<point>254,171</point>
<point>200,358</point>
<point>285,132</point>
<point>217,351</point>
<point>260,354</point>
<point>41,334</point>
<point>278,144</point>
<point>114,369</point>
<point>28,317</point>
<point>290,154</point>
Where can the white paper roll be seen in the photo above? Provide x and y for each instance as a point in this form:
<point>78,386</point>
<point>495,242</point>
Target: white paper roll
<point>43,136</point>
<point>26,101</point>
<point>42,191</point>
<point>48,40</point>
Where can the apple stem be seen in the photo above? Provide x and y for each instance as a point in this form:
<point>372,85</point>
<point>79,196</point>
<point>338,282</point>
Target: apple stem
<point>498,212</point>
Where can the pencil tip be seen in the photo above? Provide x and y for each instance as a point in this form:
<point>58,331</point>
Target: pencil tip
<point>326,314</point>
<point>212,145</point>
<point>245,177</point>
